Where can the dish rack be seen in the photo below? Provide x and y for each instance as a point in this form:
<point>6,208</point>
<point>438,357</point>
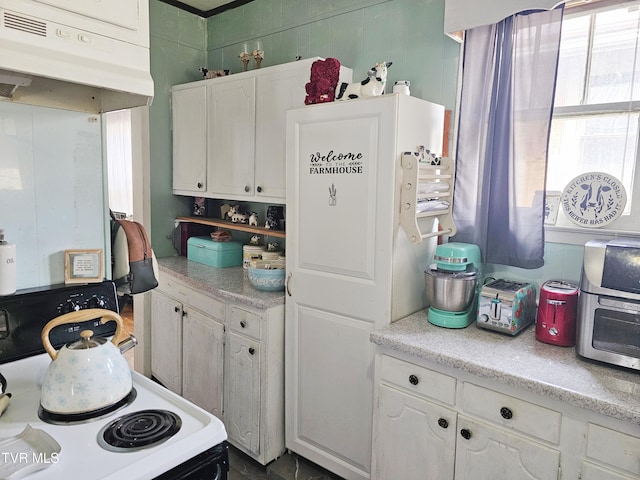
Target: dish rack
<point>427,192</point>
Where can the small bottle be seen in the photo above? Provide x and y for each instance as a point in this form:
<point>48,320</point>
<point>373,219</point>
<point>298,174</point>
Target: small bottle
<point>7,266</point>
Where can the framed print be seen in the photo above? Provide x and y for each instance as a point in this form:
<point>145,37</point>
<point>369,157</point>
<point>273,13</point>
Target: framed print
<point>83,266</point>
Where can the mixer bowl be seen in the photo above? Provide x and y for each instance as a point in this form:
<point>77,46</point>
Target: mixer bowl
<point>450,291</point>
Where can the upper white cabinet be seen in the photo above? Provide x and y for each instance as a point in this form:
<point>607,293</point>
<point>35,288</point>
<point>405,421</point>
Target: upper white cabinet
<point>189,116</point>
<point>229,132</point>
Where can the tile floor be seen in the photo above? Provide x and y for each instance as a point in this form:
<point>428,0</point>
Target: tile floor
<point>288,467</point>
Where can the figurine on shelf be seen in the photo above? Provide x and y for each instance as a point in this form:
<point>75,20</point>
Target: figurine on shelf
<point>206,73</point>
<point>236,216</point>
<point>274,215</point>
<point>272,247</point>
<point>253,219</point>
<point>372,86</point>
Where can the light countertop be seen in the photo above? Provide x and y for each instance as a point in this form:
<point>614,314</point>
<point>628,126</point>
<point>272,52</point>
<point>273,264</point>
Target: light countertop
<point>229,283</point>
<point>521,362</point>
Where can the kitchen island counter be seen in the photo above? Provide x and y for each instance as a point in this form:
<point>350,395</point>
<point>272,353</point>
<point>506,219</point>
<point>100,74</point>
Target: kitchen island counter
<point>229,283</point>
<point>521,362</point>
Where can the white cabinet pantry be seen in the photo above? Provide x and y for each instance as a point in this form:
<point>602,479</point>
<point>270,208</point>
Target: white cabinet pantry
<point>227,358</point>
<point>229,132</point>
<point>436,422</point>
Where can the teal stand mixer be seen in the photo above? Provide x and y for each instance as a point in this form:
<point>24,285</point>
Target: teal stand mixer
<point>452,284</point>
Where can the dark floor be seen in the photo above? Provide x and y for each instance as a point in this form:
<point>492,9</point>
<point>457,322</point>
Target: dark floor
<point>288,467</point>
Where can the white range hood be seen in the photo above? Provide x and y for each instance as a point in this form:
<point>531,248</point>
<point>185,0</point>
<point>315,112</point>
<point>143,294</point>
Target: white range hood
<point>82,55</point>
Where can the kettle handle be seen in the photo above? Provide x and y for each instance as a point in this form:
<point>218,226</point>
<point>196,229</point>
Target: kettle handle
<point>80,316</point>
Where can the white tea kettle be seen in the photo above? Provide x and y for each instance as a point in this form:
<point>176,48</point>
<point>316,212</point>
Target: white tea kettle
<point>89,374</point>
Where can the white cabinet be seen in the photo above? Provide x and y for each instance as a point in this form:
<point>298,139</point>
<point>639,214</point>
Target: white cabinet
<point>189,118</point>
<point>225,357</point>
<point>187,343</point>
<point>254,386</point>
<point>166,340</point>
<point>433,422</point>
<point>235,133</point>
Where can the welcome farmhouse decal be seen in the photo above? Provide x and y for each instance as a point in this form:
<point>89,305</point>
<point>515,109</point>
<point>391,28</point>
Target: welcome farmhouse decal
<point>333,163</point>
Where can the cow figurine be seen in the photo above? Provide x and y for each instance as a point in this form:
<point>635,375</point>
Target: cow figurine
<point>372,86</point>
<point>253,219</point>
<point>235,215</point>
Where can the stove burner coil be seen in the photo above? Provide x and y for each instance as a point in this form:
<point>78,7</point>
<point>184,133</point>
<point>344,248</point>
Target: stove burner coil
<point>138,430</point>
<point>85,417</point>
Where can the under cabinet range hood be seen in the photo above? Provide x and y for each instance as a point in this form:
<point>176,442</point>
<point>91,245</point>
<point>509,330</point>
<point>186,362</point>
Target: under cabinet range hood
<point>83,55</point>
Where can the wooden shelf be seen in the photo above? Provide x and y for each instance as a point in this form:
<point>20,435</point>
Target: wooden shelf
<point>242,227</point>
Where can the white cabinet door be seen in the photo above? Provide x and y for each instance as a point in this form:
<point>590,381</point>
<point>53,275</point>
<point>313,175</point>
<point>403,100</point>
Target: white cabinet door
<point>242,392</point>
<point>414,440</point>
<point>189,117</point>
<point>231,136</point>
<point>166,341</point>
<point>203,361</point>
<point>276,92</point>
<point>487,453</point>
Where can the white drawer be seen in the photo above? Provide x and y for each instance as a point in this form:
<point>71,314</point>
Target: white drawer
<point>419,380</point>
<point>190,297</point>
<point>244,322</point>
<point>613,448</point>
<point>528,418</point>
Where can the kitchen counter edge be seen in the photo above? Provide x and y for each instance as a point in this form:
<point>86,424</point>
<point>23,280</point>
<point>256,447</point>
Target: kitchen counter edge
<point>521,362</point>
<point>229,283</point>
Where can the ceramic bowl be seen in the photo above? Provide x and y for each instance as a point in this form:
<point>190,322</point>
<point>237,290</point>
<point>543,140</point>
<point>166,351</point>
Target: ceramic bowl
<point>268,280</point>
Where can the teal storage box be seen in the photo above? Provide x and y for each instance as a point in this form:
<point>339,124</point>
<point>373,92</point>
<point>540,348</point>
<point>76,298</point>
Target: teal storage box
<point>215,254</point>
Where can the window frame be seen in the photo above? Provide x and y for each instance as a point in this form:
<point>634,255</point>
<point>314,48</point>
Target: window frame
<point>629,226</point>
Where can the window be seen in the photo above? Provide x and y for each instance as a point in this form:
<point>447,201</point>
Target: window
<point>597,105</point>
<point>119,166</point>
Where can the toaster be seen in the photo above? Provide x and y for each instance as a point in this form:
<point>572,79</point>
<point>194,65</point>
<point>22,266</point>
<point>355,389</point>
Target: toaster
<point>506,306</point>
<point>557,310</point>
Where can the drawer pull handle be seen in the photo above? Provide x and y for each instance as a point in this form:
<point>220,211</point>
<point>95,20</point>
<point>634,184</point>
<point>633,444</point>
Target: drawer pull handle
<point>413,380</point>
<point>243,324</point>
<point>465,433</point>
<point>443,422</point>
<point>252,350</point>
<point>506,413</point>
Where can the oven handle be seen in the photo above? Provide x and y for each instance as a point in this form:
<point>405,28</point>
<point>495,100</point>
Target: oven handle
<point>218,472</point>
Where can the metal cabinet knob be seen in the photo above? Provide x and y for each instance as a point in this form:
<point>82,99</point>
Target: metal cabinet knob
<point>413,380</point>
<point>443,422</point>
<point>243,324</point>
<point>465,433</point>
<point>176,309</point>
<point>247,188</point>
<point>259,189</point>
<point>252,351</point>
<point>199,184</point>
<point>506,413</point>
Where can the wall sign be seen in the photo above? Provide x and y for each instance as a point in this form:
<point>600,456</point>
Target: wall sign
<point>594,199</point>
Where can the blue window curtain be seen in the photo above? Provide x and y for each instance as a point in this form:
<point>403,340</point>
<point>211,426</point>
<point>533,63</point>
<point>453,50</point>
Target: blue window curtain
<point>508,84</point>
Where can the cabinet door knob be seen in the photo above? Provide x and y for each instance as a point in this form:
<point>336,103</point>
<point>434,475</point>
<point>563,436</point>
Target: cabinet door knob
<point>199,184</point>
<point>443,422</point>
<point>465,433</point>
<point>247,188</point>
<point>243,324</point>
<point>252,350</point>
<point>413,380</point>
<point>176,309</point>
<point>259,189</point>
<point>506,413</point>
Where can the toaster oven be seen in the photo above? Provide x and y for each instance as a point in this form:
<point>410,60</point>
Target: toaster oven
<point>608,326</point>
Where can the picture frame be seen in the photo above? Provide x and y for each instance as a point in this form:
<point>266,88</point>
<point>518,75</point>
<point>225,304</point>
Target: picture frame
<point>83,266</point>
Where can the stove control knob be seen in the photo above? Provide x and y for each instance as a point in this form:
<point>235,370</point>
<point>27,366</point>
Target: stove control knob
<point>96,302</point>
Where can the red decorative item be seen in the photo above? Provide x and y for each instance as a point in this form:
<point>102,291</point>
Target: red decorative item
<point>323,81</point>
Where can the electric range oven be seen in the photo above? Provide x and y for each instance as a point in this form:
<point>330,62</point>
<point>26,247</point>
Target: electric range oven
<point>155,434</point>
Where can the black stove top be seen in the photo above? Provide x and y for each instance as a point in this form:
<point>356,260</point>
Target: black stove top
<point>24,314</point>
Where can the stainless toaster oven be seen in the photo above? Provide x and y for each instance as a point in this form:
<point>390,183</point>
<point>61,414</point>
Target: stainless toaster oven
<point>608,320</point>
